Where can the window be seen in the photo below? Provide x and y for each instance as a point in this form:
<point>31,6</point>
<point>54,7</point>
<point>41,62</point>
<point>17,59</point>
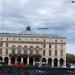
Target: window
<point>55,40</point>
<point>49,52</point>
<point>19,38</point>
<point>44,52</point>
<point>61,40</point>
<point>44,46</point>
<point>49,45</point>
<point>0,51</point>
<point>55,52</point>
<point>1,44</point>
<point>55,46</point>
<point>19,49</point>
<point>1,38</point>
<point>6,51</point>
<point>25,51</point>
<point>6,44</point>
<point>44,40</point>
<point>37,51</point>
<point>61,52</point>
<point>62,46</point>
<point>13,38</point>
<point>7,39</point>
<point>31,51</point>
<point>13,51</point>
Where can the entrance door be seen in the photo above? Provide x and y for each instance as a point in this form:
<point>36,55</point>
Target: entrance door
<point>30,61</point>
<point>13,60</point>
<point>19,59</point>
<point>25,60</point>
<point>6,60</point>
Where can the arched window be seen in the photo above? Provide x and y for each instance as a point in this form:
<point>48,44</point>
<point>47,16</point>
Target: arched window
<point>61,61</point>
<point>55,62</point>
<point>13,49</point>
<point>50,62</point>
<point>6,60</point>
<point>25,49</point>
<point>44,60</point>
<point>1,59</point>
<point>19,49</point>
<point>31,49</point>
<point>37,49</point>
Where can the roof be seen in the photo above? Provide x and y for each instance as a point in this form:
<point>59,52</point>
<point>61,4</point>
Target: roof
<point>29,33</point>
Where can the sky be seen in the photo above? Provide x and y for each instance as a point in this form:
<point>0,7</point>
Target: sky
<point>57,15</point>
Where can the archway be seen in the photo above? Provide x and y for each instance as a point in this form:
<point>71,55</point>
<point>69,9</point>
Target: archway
<point>25,60</point>
<point>19,59</point>
<point>1,59</point>
<point>50,62</point>
<point>31,61</point>
<point>13,60</point>
<point>6,60</point>
<point>37,61</point>
<point>43,61</point>
<point>61,62</point>
<point>55,62</point>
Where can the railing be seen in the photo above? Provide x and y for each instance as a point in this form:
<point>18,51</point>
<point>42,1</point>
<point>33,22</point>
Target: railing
<point>36,71</point>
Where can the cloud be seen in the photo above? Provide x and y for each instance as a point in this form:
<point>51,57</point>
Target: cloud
<point>58,15</point>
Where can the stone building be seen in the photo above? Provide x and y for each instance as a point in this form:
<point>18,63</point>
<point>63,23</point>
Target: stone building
<point>33,49</point>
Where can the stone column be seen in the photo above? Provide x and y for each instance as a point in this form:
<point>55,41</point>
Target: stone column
<point>21,59</point>
<point>64,65</point>
<point>40,62</point>
<point>28,60</point>
<point>15,60</point>
<point>33,61</point>
<point>9,62</point>
<point>52,62</point>
<point>58,62</point>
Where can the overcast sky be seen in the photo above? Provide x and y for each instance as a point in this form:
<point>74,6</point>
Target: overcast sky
<point>57,15</point>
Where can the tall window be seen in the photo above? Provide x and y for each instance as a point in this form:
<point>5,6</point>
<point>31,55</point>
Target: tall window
<point>55,46</point>
<point>44,45</point>
<point>7,39</point>
<point>6,44</point>
<point>49,45</point>
<point>31,49</point>
<point>44,40</point>
<point>61,46</point>
<point>31,52</point>
<point>13,49</point>
<point>0,51</point>
<point>6,51</point>
<point>1,38</point>
<point>61,52</point>
<point>44,52</point>
<point>1,44</point>
<point>19,49</point>
<point>37,51</point>
<point>25,49</point>
<point>55,52</point>
<point>49,52</point>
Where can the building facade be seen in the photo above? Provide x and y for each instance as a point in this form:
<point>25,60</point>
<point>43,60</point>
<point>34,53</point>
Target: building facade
<point>33,49</point>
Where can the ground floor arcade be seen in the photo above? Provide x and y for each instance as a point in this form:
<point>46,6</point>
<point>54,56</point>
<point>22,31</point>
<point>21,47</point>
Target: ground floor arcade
<point>35,61</point>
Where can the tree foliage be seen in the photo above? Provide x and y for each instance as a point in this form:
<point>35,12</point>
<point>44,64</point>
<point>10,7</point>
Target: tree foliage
<point>70,58</point>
